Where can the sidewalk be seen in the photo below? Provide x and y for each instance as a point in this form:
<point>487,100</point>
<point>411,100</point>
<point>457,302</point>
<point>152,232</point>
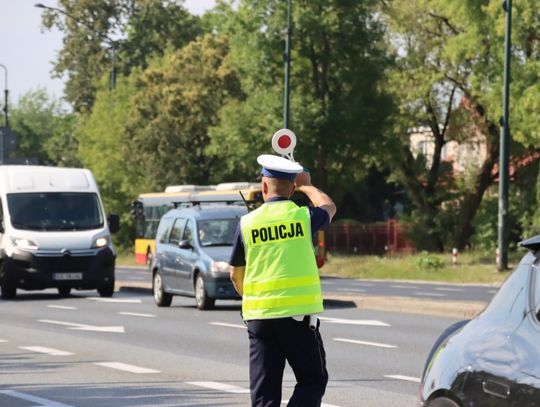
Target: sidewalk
<point>453,309</point>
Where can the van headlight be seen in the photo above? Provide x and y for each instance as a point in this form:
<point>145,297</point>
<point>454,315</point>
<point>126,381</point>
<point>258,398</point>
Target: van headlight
<point>219,266</point>
<point>24,243</point>
<point>100,242</point>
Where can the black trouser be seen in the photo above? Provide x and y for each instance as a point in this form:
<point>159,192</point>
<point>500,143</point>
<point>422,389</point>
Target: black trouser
<point>271,342</point>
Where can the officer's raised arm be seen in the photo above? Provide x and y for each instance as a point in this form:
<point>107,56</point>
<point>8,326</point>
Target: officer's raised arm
<point>303,184</point>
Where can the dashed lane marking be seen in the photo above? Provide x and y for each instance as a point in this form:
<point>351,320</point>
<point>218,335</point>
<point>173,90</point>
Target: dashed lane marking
<point>127,368</point>
<point>38,400</point>
<point>364,322</point>
<point>402,377</point>
<point>3,340</point>
<point>228,325</point>
<point>449,289</point>
<point>117,300</point>
<point>412,287</point>
<point>229,388</point>
<point>83,327</point>
<point>48,351</point>
<point>351,290</point>
<point>366,343</point>
<point>62,307</point>
<point>136,314</point>
<point>363,284</point>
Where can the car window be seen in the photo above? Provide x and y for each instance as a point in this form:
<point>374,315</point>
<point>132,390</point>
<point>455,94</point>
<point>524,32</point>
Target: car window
<point>217,232</point>
<point>176,232</point>
<point>537,290</point>
<point>188,232</point>
<point>164,229</point>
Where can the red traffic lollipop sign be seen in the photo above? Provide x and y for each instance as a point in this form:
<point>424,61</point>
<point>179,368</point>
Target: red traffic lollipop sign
<point>283,143</point>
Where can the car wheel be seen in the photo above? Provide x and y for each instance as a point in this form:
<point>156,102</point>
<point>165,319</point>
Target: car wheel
<point>8,290</point>
<point>201,296</point>
<point>64,291</point>
<point>161,298</point>
<point>443,402</point>
<point>106,290</point>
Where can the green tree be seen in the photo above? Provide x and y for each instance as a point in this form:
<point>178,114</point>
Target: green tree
<point>102,35</point>
<point>178,99</point>
<point>337,107</point>
<point>447,77</point>
<point>40,121</point>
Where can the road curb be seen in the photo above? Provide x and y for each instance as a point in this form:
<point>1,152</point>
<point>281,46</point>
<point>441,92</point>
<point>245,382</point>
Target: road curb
<point>454,309</point>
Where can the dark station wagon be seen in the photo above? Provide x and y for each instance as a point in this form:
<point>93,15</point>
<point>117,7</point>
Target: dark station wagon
<point>193,247</point>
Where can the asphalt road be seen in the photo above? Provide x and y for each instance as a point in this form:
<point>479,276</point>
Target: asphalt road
<point>87,351</point>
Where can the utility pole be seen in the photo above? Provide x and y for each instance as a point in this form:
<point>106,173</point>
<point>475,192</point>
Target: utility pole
<point>287,58</point>
<point>5,109</point>
<point>504,146</point>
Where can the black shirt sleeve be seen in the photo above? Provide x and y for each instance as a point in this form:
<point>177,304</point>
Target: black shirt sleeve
<point>238,255</point>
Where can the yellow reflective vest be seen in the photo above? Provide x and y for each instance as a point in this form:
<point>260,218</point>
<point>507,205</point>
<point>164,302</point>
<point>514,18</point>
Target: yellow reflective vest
<point>281,277</point>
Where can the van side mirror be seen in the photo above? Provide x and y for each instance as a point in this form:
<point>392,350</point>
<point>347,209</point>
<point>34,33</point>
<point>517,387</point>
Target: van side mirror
<point>114,223</point>
<point>184,244</point>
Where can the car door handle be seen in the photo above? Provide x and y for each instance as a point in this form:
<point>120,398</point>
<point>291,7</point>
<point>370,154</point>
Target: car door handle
<point>496,389</point>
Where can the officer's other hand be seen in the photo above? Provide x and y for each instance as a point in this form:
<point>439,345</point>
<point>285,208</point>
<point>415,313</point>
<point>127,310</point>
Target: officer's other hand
<point>302,179</point>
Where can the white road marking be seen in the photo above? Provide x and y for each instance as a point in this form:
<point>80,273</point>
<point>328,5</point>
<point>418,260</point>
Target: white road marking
<point>3,340</point>
<point>449,289</point>
<point>430,294</point>
<point>402,377</point>
<point>322,404</point>
<point>229,388</point>
<point>327,282</point>
<point>228,325</point>
<point>127,368</point>
<point>48,351</point>
<point>118,300</point>
<point>136,314</point>
<point>412,287</point>
<point>364,322</point>
<point>351,290</point>
<point>376,344</point>
<point>363,284</point>
<point>83,327</point>
<point>41,401</point>
<point>492,291</point>
<point>61,307</point>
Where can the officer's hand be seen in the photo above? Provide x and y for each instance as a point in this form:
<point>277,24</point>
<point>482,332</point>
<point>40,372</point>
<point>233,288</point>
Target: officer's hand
<point>302,179</point>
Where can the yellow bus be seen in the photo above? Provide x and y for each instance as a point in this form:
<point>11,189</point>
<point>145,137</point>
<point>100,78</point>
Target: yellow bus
<point>148,209</point>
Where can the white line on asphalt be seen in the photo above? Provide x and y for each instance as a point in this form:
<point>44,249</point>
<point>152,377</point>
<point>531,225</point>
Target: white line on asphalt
<point>42,402</point>
<point>61,307</point>
<point>228,325</point>
<point>324,282</point>
<point>229,388</point>
<point>127,368</point>
<point>351,290</point>
<point>430,294</point>
<point>402,377</point>
<point>83,327</point>
<point>365,322</point>
<point>363,284</point>
<point>322,405</point>
<point>48,351</point>
<point>449,289</point>
<point>412,287</point>
<point>492,291</point>
<point>3,340</point>
<point>118,300</point>
<point>136,314</point>
<point>376,344</point>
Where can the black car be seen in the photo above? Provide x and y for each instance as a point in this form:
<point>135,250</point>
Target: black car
<point>492,360</point>
<point>193,247</point>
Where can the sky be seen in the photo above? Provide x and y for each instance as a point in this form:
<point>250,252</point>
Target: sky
<point>27,51</point>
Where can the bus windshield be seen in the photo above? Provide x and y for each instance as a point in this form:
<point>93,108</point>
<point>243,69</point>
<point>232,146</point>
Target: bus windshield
<point>55,211</point>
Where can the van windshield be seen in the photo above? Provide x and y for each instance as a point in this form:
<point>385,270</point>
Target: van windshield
<point>55,211</point>
<point>217,232</point>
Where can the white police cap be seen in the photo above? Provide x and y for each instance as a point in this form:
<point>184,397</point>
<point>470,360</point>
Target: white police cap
<point>278,167</point>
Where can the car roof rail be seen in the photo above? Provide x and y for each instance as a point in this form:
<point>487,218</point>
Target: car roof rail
<point>198,203</point>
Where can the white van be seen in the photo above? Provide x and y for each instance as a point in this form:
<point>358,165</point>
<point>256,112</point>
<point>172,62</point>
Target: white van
<point>53,231</point>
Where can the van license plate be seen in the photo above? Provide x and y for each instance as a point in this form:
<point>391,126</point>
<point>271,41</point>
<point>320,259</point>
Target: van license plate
<point>67,276</point>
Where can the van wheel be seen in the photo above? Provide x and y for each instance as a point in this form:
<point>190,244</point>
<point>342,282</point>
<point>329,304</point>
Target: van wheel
<point>64,291</point>
<point>161,298</point>
<point>106,290</point>
<point>8,290</point>
<point>201,296</point>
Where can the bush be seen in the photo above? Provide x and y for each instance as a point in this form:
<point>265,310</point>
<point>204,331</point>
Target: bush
<point>428,261</point>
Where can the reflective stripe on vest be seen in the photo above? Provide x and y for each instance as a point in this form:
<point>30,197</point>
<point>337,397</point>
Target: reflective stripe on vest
<point>281,277</point>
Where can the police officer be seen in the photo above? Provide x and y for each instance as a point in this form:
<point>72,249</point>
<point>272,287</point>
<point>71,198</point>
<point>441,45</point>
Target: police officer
<point>274,269</point>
